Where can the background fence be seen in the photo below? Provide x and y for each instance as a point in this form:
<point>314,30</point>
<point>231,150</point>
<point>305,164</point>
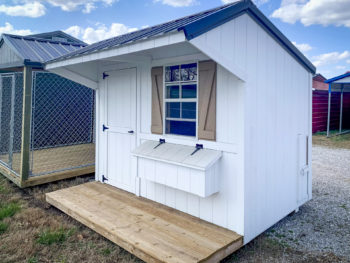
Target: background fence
<point>62,123</point>
<point>320,110</point>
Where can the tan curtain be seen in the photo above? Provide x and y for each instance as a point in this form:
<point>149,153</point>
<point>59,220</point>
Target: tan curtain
<point>207,100</point>
<point>157,100</point>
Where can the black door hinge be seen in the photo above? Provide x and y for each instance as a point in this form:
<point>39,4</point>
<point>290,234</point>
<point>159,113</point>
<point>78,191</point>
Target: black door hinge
<point>198,147</point>
<point>104,179</point>
<point>104,127</point>
<point>104,75</point>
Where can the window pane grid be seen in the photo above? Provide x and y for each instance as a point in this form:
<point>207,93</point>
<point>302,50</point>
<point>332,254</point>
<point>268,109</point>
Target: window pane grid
<point>181,85</point>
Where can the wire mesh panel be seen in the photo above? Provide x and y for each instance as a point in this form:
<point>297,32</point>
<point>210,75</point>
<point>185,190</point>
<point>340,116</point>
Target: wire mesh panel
<point>62,125</point>
<point>11,92</point>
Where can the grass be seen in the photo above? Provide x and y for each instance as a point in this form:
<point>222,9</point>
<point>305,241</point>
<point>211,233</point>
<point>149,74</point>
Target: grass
<point>9,209</point>
<point>33,260</point>
<point>40,233</point>
<point>3,227</point>
<point>49,236</point>
<point>339,141</point>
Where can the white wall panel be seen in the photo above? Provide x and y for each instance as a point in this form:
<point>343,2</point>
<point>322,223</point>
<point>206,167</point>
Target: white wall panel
<point>276,104</point>
<point>226,207</point>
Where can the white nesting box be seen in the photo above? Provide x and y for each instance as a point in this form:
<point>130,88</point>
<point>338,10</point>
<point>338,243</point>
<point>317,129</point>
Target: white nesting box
<point>179,166</point>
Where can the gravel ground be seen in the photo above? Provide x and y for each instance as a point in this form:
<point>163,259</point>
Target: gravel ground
<point>322,224</point>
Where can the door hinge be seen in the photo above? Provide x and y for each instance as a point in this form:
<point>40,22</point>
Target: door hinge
<point>104,179</point>
<point>104,75</point>
<point>104,127</point>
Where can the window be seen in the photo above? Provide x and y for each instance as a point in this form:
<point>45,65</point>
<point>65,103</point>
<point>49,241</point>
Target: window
<point>180,99</point>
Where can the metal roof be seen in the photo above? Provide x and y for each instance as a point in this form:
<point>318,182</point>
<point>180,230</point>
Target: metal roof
<point>347,74</point>
<point>57,35</point>
<point>39,50</point>
<point>195,25</point>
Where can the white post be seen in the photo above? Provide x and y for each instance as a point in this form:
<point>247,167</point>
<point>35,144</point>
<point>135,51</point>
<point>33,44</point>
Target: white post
<point>329,108</point>
<point>341,110</point>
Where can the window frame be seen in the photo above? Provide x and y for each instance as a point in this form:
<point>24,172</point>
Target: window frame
<point>180,100</point>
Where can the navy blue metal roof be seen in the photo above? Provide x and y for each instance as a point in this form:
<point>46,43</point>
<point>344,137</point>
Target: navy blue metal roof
<point>338,78</point>
<point>197,24</point>
<point>39,50</point>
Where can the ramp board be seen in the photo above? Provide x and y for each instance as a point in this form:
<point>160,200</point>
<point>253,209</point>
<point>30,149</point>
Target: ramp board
<point>150,231</point>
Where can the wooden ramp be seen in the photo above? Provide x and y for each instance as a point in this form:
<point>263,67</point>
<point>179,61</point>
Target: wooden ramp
<point>150,231</point>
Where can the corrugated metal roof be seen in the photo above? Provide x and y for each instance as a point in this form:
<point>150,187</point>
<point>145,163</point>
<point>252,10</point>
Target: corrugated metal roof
<point>38,49</point>
<point>149,32</point>
<point>197,24</point>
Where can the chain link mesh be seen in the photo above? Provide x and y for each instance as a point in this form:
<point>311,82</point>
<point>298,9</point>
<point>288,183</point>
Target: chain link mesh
<point>11,100</point>
<point>62,123</point>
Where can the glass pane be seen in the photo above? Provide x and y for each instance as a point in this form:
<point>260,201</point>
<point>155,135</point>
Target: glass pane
<point>189,72</point>
<point>173,109</point>
<point>172,92</point>
<point>187,128</point>
<point>189,91</point>
<point>188,110</point>
<point>172,73</point>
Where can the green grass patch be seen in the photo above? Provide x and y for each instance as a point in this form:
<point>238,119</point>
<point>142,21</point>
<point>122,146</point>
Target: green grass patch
<point>9,210</point>
<point>49,237</point>
<point>106,252</point>
<point>3,227</point>
<point>33,260</point>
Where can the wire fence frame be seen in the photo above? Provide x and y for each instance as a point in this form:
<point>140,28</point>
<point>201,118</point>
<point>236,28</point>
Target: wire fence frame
<point>11,89</point>
<point>65,132</point>
<point>69,122</point>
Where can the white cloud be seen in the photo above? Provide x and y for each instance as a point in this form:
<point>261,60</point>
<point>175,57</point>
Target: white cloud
<point>340,67</point>
<point>30,9</point>
<point>9,29</point>
<point>257,2</point>
<point>330,58</point>
<point>303,47</point>
<point>348,61</point>
<point>85,5</point>
<point>311,12</point>
<point>100,32</point>
<point>177,3</point>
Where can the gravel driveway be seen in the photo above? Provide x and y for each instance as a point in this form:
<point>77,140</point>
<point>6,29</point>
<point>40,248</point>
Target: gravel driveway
<point>322,224</point>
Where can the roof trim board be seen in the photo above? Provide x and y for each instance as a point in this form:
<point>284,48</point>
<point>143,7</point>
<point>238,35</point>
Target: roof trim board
<point>206,24</point>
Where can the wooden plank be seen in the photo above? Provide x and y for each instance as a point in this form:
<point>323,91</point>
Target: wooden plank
<point>26,119</point>
<point>54,164</point>
<point>52,177</point>
<point>149,230</point>
<point>9,174</point>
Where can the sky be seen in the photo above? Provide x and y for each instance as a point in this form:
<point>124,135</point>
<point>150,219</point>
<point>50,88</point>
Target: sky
<point>319,28</point>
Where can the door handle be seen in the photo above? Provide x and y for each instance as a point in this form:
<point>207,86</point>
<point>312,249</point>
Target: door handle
<point>131,132</point>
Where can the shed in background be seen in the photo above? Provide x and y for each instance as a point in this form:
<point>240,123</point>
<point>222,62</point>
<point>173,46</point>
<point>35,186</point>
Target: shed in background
<point>46,121</point>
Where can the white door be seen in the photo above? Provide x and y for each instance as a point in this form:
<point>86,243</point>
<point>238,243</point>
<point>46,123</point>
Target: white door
<point>121,123</point>
<point>303,168</point>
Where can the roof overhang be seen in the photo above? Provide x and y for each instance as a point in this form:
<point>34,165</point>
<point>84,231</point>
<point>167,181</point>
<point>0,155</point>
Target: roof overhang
<point>339,83</point>
<point>134,47</point>
<point>195,29</point>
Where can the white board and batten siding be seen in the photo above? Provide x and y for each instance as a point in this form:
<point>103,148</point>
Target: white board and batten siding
<point>224,208</point>
<point>277,120</point>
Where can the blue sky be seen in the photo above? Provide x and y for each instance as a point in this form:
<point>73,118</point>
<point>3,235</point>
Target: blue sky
<point>319,28</point>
